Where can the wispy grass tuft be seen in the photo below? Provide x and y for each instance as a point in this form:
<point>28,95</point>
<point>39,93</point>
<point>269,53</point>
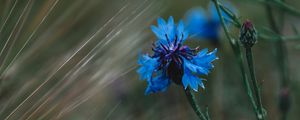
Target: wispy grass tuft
<point>58,56</point>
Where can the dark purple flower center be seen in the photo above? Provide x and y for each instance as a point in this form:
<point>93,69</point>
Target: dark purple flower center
<point>171,57</point>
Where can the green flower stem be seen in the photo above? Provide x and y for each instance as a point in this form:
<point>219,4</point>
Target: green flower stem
<point>280,38</point>
<point>191,98</point>
<point>237,52</point>
<point>206,113</point>
<point>240,60</point>
<point>255,84</point>
<point>282,5</point>
<point>237,23</point>
<point>281,50</point>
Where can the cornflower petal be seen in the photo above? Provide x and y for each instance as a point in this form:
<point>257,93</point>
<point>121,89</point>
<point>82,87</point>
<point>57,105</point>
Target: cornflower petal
<point>158,84</point>
<point>191,80</point>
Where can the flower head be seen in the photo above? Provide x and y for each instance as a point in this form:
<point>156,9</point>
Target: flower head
<point>206,24</point>
<point>173,61</point>
<point>248,35</point>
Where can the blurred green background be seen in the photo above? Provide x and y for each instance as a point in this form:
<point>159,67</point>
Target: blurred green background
<point>77,59</point>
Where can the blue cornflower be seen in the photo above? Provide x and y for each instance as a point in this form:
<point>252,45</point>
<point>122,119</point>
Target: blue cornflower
<point>172,61</point>
<point>202,24</point>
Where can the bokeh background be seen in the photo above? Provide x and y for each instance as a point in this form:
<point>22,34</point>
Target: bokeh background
<point>77,60</point>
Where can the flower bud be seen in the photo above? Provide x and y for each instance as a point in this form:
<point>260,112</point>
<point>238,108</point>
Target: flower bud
<point>284,100</point>
<point>248,35</point>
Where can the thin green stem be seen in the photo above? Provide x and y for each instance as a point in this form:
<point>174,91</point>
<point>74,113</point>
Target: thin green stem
<point>254,82</point>
<point>282,5</point>
<point>191,98</point>
<point>240,60</point>
<point>232,42</point>
<point>281,50</point>
<point>277,37</point>
<point>237,52</point>
<point>207,114</point>
<point>280,38</point>
<point>232,16</point>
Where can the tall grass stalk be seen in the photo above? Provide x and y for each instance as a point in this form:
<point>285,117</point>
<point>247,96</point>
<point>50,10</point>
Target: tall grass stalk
<point>59,68</point>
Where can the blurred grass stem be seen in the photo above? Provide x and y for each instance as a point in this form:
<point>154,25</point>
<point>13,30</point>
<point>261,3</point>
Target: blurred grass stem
<point>15,32</point>
<point>281,51</point>
<point>281,48</point>
<point>28,40</point>
<point>282,5</point>
<point>8,16</point>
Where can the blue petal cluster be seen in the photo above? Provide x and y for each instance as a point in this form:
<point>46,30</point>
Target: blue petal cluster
<point>173,61</point>
<point>202,24</point>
